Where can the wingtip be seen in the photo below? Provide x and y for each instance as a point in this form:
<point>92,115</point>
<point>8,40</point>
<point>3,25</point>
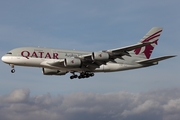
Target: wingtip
<point>171,56</point>
<point>174,55</point>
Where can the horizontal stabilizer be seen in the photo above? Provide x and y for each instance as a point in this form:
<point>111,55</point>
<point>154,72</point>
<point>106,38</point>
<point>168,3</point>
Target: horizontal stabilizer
<point>147,61</point>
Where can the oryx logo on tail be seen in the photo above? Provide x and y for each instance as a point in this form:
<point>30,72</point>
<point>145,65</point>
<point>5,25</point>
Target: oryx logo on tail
<point>151,36</point>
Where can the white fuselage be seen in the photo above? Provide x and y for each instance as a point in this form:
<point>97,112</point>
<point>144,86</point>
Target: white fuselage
<point>41,57</point>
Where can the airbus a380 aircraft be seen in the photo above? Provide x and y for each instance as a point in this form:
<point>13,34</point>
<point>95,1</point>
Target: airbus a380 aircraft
<point>60,62</point>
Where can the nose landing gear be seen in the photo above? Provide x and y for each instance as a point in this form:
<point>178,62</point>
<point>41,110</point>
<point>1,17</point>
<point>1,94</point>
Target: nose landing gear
<point>12,66</point>
<point>13,71</point>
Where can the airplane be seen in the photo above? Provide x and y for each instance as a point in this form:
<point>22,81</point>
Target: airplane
<point>60,62</point>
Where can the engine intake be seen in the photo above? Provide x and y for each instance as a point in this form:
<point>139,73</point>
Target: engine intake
<point>100,56</point>
<point>48,71</point>
<point>72,62</point>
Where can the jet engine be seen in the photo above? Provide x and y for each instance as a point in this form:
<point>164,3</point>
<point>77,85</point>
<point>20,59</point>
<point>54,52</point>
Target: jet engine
<point>48,71</point>
<point>100,56</point>
<point>72,62</point>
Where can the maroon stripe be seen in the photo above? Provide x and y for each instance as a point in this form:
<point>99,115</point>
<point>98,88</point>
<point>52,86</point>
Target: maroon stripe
<point>156,33</point>
<point>148,39</point>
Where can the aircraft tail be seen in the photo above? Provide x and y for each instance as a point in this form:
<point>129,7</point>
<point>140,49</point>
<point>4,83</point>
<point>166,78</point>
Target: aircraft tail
<point>146,51</point>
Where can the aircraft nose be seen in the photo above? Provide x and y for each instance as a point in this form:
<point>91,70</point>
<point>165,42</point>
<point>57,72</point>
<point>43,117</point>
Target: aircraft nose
<point>4,58</point>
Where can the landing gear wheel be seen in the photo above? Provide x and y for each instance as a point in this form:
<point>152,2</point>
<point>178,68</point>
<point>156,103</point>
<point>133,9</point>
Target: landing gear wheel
<point>73,76</point>
<point>91,74</point>
<point>13,71</point>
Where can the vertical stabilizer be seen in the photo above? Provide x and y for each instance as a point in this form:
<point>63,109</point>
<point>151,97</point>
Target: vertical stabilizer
<point>152,36</point>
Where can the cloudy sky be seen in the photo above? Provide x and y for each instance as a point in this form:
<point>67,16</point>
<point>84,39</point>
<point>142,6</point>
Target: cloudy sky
<point>148,93</point>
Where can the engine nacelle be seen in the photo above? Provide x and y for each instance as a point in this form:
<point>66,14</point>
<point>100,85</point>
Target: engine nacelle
<point>100,56</point>
<point>48,71</point>
<point>72,62</point>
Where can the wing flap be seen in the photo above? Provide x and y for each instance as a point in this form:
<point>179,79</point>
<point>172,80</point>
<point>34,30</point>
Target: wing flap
<point>147,61</point>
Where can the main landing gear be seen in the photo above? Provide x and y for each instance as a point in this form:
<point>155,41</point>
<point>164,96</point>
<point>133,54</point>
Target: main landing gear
<point>82,75</point>
<point>12,66</point>
<point>73,76</point>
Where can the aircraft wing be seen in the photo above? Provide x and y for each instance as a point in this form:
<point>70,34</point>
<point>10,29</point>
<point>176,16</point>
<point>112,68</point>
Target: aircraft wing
<point>118,52</point>
<point>148,61</point>
<point>128,48</point>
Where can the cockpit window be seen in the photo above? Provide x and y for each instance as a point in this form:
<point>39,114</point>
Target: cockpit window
<point>9,53</point>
